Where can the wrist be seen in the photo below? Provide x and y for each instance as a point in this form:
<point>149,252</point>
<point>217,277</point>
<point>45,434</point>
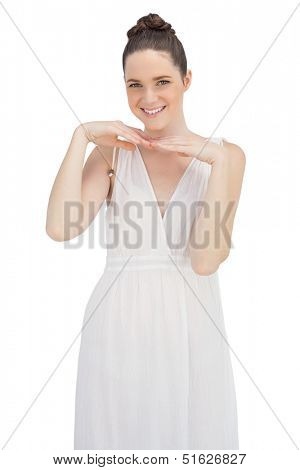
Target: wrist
<point>212,153</point>
<point>80,133</point>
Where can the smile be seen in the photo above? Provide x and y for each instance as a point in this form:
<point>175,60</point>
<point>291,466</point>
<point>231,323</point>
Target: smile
<point>153,112</point>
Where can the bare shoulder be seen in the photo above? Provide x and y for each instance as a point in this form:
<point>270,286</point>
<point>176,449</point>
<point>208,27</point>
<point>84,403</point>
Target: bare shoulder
<point>235,152</point>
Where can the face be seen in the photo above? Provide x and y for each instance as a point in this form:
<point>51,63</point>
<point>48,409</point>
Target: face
<point>153,82</point>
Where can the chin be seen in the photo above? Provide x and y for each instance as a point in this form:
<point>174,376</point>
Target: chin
<point>155,126</point>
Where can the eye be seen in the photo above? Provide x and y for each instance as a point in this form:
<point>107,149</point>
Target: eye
<point>132,85</point>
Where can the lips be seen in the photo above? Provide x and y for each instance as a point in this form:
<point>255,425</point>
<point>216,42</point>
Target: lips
<point>155,113</point>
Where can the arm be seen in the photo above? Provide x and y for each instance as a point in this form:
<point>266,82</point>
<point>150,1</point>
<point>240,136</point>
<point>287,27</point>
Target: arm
<point>210,240</point>
<point>77,192</point>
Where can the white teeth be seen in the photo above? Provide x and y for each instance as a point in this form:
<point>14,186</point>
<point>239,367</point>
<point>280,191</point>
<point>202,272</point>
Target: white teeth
<point>154,110</point>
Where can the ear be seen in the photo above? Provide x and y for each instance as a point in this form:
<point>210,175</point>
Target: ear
<point>187,80</point>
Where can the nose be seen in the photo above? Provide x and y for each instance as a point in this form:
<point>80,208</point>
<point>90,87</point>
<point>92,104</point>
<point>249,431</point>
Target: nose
<point>150,97</point>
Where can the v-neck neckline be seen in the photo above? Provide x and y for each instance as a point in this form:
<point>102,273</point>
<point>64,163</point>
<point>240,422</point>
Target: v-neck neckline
<point>151,187</point>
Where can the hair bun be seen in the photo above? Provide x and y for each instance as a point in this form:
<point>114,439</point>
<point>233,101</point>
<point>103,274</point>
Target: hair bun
<point>150,22</point>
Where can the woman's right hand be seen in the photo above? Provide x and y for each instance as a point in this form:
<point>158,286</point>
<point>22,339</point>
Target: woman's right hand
<point>107,132</point>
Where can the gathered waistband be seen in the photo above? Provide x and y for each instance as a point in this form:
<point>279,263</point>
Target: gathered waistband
<point>146,262</point>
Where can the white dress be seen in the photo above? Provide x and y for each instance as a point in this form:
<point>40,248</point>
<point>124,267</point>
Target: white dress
<point>154,367</point>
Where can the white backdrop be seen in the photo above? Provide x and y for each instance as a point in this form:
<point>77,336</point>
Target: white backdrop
<point>61,64</point>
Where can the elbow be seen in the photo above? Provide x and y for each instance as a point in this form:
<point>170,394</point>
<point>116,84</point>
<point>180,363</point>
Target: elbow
<point>54,235</point>
<point>58,236</point>
<point>206,267</point>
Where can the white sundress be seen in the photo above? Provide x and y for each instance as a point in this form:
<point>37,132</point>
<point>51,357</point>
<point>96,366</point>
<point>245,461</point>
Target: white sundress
<point>154,366</point>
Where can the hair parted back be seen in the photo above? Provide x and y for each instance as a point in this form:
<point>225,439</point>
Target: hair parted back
<point>152,32</point>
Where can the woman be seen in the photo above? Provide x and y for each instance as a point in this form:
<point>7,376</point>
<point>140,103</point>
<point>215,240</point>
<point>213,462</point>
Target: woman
<point>154,369</point>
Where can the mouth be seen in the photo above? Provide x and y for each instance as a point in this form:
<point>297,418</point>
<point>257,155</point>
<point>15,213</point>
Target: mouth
<point>153,113</point>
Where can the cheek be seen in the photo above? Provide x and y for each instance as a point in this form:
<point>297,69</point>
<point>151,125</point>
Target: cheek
<point>133,107</point>
<point>132,100</point>
<point>171,96</point>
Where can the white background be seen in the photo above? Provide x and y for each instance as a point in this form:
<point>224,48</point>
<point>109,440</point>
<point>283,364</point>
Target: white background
<point>60,61</point>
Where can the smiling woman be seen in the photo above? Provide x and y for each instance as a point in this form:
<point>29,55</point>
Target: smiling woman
<point>154,367</point>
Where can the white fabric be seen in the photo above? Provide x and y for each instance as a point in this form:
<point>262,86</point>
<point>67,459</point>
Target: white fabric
<point>154,368</point>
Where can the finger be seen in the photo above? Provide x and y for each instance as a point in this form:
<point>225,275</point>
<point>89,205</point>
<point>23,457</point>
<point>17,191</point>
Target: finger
<point>141,133</point>
<point>172,147</point>
<point>170,142</point>
<point>174,138</point>
<point>138,138</point>
<point>127,133</point>
<point>167,137</point>
<point>125,145</point>
<point>159,139</point>
<point>162,144</point>
<point>145,139</point>
<point>141,140</point>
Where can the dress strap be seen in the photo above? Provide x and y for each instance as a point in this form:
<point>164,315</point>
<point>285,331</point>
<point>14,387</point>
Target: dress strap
<point>222,140</point>
<point>111,171</point>
<point>114,155</point>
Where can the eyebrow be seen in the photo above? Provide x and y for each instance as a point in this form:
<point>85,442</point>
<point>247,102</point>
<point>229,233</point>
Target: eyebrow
<point>155,78</point>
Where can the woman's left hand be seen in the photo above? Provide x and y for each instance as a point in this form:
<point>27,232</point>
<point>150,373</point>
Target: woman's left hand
<point>188,146</point>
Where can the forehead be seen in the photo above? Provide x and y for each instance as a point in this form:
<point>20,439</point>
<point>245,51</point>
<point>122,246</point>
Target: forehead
<point>148,64</point>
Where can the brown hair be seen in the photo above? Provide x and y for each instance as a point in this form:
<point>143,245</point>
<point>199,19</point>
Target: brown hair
<point>152,32</point>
